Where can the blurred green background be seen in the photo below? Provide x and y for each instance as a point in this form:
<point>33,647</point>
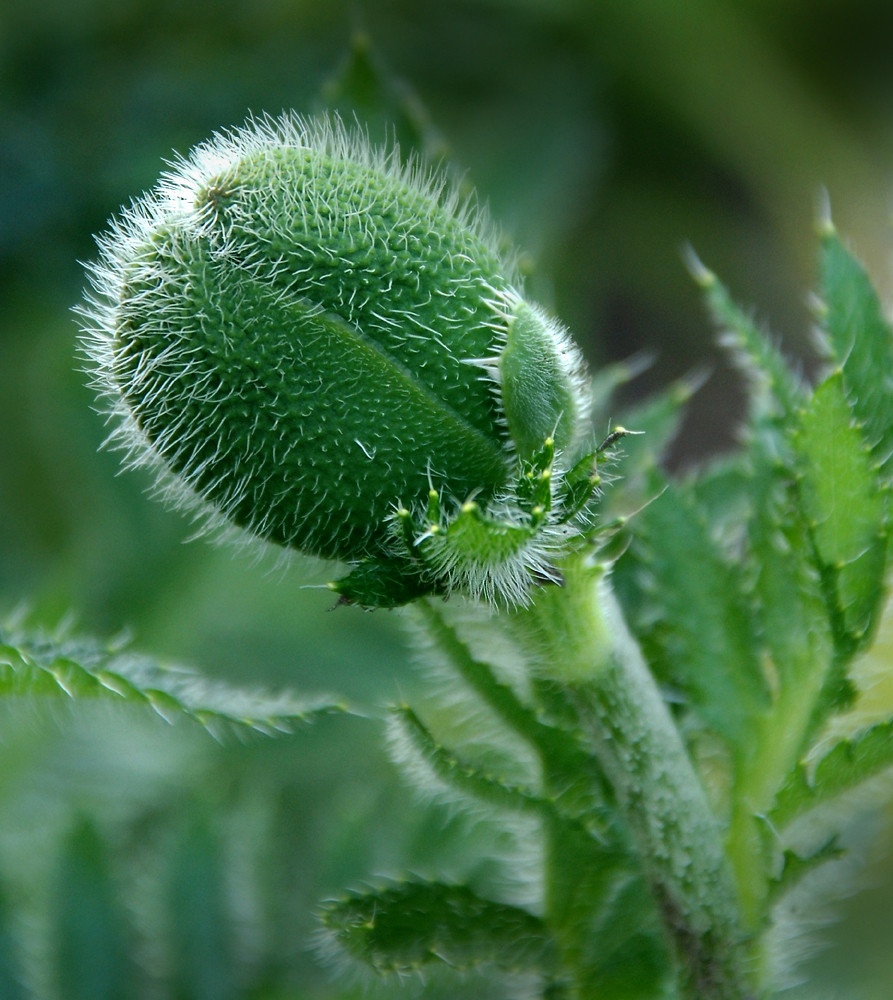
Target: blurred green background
<point>604,135</point>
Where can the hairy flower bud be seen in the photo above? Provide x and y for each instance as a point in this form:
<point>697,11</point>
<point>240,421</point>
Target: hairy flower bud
<point>304,336</point>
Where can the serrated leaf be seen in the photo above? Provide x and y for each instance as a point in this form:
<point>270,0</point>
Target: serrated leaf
<point>796,867</point>
<point>774,391</point>
<point>791,617</point>
<point>90,950</point>
<point>687,604</point>
<point>656,422</point>
<point>553,745</point>
<point>412,924</point>
<point>795,635</point>
<point>364,89</point>
<point>791,609</point>
<point>607,379</point>
<point>860,341</point>
<point>845,507</point>
<point>33,664</point>
<point>415,746</point>
<point>843,768</point>
<point>566,764</point>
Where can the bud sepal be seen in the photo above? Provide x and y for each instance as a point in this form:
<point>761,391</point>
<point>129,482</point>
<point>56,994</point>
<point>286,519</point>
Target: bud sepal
<point>496,553</point>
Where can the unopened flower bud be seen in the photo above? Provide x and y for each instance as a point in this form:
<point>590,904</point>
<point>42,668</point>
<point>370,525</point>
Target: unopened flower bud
<point>302,334</point>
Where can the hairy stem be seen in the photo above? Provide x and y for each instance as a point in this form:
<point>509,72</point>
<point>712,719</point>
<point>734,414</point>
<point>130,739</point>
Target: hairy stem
<point>578,637</point>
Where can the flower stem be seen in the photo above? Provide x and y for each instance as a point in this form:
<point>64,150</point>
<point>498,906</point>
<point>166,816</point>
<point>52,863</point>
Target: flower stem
<point>577,637</point>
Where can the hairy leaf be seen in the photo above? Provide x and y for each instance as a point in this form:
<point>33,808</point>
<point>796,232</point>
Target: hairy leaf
<point>411,924</point>
<point>791,610</point>
<point>845,508</point>
<point>656,422</point>
<point>774,390</point>
<point>552,744</point>
<point>795,867</point>
<point>568,769</point>
<point>795,636</point>
<point>687,605</point>
<point>756,487</point>
<point>416,746</point>
<point>34,664</point>
<point>861,341</point>
<point>627,955</point>
<point>843,768</point>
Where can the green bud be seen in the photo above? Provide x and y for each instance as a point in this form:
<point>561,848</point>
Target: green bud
<point>539,399</point>
<point>301,335</point>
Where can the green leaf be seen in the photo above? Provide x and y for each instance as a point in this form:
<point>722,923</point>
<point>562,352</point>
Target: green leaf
<point>774,390</point>
<point>199,928</point>
<point>34,664</point>
<point>408,925</point>
<point>721,493</point>
<point>861,341</point>
<point>566,764</point>
<point>88,938</point>
<point>843,768</point>
<point>365,89</point>
<point>385,582</point>
<point>416,747</point>
<point>845,508</point>
<point>552,744</point>
<point>608,378</point>
<point>790,605</point>
<point>687,605</point>
<point>791,618</point>
<point>656,422</point>
<point>753,487</point>
<point>795,867</point>
<point>602,910</point>
<point>756,488</point>
<point>627,953</point>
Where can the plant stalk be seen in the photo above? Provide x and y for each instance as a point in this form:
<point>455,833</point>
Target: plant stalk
<point>577,637</point>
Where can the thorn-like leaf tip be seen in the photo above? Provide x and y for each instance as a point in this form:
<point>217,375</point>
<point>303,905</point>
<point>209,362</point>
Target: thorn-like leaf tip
<point>701,274</point>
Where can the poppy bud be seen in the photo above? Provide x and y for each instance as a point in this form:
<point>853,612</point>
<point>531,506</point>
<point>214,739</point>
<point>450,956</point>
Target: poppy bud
<point>304,335</point>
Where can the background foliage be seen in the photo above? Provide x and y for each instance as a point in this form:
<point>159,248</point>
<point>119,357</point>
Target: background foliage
<point>604,136</point>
